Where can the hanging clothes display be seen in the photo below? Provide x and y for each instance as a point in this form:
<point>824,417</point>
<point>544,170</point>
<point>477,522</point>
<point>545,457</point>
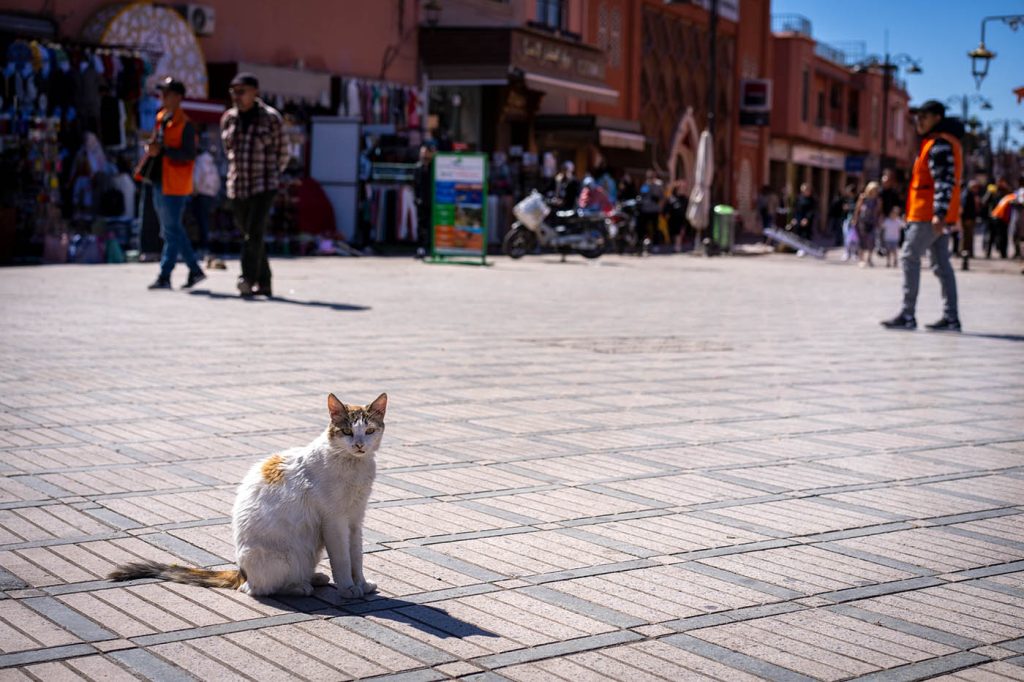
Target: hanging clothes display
<point>135,23</point>
<point>380,103</point>
<point>68,117</point>
<point>390,210</point>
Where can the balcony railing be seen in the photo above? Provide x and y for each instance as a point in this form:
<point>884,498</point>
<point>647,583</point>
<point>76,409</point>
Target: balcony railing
<point>791,23</point>
<point>833,54</point>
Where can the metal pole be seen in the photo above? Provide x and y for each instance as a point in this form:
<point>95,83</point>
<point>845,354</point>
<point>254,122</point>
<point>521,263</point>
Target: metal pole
<point>886,80</point>
<point>712,64</point>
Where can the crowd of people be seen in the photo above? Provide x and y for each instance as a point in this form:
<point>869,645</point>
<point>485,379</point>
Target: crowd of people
<point>870,221</point>
<point>662,224</point>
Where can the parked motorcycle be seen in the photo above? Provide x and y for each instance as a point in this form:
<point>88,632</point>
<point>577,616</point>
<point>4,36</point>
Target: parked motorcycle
<point>622,234</point>
<point>571,231</point>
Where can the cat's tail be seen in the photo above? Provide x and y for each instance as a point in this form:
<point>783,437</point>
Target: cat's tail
<point>178,574</point>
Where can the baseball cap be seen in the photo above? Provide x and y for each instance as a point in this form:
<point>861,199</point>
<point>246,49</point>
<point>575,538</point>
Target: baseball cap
<point>931,106</point>
<point>172,84</point>
<point>245,78</point>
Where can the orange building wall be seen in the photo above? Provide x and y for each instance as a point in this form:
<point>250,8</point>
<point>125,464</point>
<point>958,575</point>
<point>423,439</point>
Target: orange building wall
<point>754,59</point>
<point>345,37</point>
<point>792,55</point>
<point>748,165</point>
<point>618,73</point>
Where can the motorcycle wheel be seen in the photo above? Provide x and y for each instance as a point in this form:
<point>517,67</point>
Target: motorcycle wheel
<point>518,242</point>
<point>598,249</point>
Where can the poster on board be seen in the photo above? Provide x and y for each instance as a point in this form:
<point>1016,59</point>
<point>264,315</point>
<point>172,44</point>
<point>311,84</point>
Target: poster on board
<point>459,229</point>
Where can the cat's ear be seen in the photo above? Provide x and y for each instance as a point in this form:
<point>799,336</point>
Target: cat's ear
<point>336,408</point>
<point>379,406</point>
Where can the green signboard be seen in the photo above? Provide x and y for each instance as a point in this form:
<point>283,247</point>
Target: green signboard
<point>459,223</point>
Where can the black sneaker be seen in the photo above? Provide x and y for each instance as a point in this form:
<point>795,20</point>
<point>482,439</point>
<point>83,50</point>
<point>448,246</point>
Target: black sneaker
<point>244,287</point>
<point>901,321</point>
<point>194,278</point>
<point>261,290</point>
<point>160,283</point>
<point>944,325</point>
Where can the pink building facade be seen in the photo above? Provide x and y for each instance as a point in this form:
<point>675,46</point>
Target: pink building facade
<point>828,120</point>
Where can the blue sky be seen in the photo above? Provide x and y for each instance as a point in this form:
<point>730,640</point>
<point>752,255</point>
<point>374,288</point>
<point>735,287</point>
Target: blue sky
<point>938,32</point>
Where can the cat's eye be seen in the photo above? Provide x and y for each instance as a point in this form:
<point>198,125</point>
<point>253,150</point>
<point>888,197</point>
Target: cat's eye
<point>347,432</point>
<point>369,431</point>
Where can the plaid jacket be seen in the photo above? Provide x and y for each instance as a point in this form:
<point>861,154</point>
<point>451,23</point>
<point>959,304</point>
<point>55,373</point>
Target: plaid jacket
<point>257,156</point>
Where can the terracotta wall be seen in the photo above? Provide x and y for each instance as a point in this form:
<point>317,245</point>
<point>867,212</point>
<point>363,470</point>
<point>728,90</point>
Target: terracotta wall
<point>793,54</point>
<point>345,37</point>
<point>754,59</point>
<point>619,53</point>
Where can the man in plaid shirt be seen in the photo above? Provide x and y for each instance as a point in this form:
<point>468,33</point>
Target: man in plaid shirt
<point>257,155</point>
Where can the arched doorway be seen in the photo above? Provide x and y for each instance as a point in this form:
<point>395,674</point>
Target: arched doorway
<point>683,151</point>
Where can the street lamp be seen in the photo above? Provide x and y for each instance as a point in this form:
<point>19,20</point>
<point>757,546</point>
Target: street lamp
<point>889,65</point>
<point>981,55</point>
<point>965,100</point>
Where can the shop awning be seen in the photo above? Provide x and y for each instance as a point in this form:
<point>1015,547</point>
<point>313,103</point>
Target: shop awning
<point>618,139</point>
<point>278,81</point>
<point>592,93</point>
<point>203,111</point>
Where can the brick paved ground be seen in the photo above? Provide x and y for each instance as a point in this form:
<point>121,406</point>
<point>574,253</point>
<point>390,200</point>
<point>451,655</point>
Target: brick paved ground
<point>657,469</point>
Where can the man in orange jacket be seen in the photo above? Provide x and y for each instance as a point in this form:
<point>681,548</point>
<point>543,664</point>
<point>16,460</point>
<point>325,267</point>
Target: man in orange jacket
<point>174,148</point>
<point>933,211</point>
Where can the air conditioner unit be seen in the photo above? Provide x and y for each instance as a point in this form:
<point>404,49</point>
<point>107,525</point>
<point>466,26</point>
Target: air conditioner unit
<point>199,17</point>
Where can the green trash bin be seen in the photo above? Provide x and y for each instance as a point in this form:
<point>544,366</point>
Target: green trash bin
<point>722,226</point>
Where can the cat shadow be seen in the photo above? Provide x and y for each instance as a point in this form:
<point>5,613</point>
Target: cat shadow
<point>428,619</point>
<point>277,299</point>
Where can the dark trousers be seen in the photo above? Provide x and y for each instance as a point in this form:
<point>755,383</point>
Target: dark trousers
<point>996,234</point>
<point>647,226</point>
<point>963,241</point>
<point>202,208</point>
<point>252,215</point>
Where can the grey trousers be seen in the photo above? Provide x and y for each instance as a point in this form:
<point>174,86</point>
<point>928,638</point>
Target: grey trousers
<point>921,238</point>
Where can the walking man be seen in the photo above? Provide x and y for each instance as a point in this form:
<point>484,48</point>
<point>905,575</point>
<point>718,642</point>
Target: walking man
<point>173,153</point>
<point>257,155</point>
<point>933,210</point>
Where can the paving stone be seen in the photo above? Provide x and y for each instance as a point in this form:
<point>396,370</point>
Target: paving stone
<point>558,497</point>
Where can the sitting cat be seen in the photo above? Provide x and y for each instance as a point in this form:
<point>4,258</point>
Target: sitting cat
<point>291,506</point>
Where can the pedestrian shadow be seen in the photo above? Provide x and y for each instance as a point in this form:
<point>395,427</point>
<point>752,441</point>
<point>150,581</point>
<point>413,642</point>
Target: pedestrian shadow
<point>277,299</point>
<point>998,337</point>
<point>428,619</point>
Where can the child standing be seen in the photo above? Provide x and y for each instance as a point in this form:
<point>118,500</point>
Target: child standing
<point>866,218</point>
<point>892,227</point>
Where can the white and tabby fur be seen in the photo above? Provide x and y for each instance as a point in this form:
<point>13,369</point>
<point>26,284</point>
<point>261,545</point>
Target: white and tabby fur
<point>292,506</point>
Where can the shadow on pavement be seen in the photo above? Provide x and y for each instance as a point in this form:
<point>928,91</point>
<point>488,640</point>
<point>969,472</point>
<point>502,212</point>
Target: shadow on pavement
<point>277,299</point>
<point>429,619</point>
<point>998,337</point>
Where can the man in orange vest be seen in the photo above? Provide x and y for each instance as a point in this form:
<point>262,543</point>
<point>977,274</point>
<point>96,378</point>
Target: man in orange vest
<point>933,211</point>
<point>174,149</point>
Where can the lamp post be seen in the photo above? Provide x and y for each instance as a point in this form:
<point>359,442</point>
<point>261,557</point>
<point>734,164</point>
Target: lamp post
<point>889,67</point>
<point>965,100</point>
<point>981,55</point>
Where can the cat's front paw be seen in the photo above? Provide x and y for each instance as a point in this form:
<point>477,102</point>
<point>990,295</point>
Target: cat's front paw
<point>368,587</point>
<point>350,592</point>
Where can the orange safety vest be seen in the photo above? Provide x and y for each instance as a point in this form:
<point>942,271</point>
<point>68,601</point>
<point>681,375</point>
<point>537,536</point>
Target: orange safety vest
<point>1002,209</point>
<point>921,197</point>
<point>176,176</point>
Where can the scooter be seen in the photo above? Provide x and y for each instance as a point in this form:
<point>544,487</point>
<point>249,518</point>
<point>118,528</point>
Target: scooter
<point>571,231</point>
